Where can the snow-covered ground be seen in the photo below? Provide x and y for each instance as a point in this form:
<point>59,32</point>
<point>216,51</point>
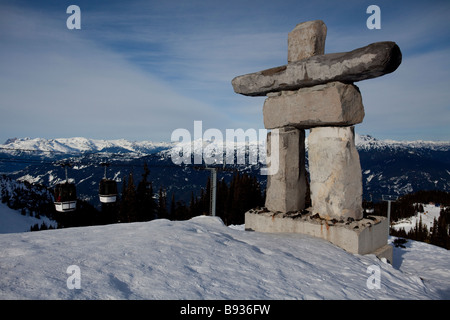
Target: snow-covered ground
<point>203,259</point>
<point>430,213</point>
<point>11,221</point>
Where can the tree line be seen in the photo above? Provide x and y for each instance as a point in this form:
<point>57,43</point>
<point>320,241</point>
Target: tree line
<point>30,199</point>
<point>139,202</point>
<point>438,234</point>
<point>408,206</point>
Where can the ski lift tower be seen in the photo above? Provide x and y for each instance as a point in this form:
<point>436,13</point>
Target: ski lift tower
<point>213,186</point>
<point>389,199</point>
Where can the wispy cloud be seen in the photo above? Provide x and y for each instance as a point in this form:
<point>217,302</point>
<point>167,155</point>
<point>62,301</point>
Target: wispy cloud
<point>142,69</point>
<point>56,83</point>
<point>415,99</point>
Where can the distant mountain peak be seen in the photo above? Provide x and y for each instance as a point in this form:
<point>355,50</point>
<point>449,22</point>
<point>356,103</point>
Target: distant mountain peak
<point>81,145</point>
<point>10,140</point>
<point>364,138</point>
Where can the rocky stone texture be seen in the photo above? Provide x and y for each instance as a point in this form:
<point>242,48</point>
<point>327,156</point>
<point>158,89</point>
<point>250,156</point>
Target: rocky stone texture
<point>372,61</point>
<point>315,91</point>
<point>307,40</point>
<point>335,172</point>
<point>366,236</point>
<point>286,189</point>
<point>331,104</point>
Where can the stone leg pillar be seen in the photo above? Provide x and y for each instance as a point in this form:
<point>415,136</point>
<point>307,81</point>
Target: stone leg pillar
<point>286,189</point>
<point>335,173</point>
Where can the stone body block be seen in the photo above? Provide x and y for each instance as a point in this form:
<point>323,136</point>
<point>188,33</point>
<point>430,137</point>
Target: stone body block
<point>286,189</point>
<point>331,104</point>
<point>366,236</point>
<point>335,173</point>
<point>307,39</point>
<point>369,62</point>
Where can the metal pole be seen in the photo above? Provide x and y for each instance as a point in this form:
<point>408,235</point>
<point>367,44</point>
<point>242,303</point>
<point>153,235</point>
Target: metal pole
<point>389,199</point>
<point>213,191</point>
<point>213,187</point>
<point>105,165</point>
<point>67,178</point>
<point>389,216</point>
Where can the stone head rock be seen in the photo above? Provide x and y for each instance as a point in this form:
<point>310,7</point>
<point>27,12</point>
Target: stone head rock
<point>307,40</point>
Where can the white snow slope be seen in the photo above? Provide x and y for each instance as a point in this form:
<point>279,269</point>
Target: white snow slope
<point>12,221</point>
<point>430,213</point>
<point>202,259</point>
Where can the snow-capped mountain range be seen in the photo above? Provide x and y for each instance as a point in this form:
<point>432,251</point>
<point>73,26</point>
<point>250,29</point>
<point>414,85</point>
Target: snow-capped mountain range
<point>367,142</point>
<point>82,145</point>
<point>389,167</point>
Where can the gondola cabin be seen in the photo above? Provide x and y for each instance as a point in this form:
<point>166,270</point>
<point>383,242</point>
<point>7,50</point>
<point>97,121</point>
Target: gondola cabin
<point>108,191</point>
<point>65,197</point>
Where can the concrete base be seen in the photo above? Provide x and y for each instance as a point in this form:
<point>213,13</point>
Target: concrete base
<point>366,236</point>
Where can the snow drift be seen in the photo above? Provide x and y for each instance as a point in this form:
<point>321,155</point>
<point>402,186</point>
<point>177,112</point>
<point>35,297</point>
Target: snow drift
<point>203,259</point>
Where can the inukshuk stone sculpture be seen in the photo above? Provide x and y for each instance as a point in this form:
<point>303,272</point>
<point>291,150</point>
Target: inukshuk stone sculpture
<point>316,91</point>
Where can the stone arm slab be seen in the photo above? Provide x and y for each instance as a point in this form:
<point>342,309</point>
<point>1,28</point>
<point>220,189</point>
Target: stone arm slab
<point>368,62</point>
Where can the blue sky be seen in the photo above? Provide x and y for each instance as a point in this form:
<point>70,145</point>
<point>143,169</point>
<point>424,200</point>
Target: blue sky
<point>141,69</point>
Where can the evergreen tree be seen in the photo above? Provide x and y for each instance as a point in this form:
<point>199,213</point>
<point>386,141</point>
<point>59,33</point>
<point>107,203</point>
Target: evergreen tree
<point>145,204</point>
<point>420,208</point>
<point>193,203</point>
<point>109,212</point>
<point>222,196</point>
<point>181,211</point>
<point>205,203</point>
<point>243,193</point>
<point>128,204</point>
<point>434,235</point>
<point>442,237</point>
<point>162,204</point>
<point>172,207</point>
